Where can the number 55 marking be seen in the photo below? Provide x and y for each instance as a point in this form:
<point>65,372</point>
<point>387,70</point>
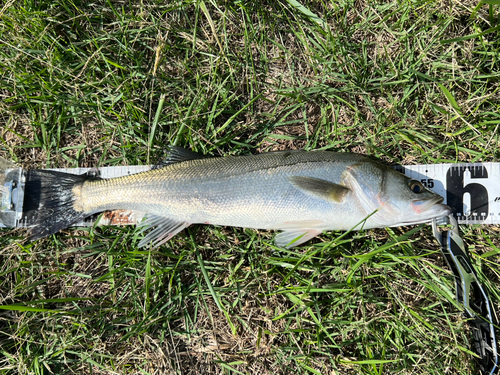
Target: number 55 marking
<point>427,182</point>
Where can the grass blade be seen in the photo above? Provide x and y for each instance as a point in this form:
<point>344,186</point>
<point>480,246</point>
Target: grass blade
<point>306,12</point>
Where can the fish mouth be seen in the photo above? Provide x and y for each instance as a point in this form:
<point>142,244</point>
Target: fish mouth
<point>421,206</point>
<point>429,209</point>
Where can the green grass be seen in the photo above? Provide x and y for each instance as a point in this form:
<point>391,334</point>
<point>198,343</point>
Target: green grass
<point>113,82</point>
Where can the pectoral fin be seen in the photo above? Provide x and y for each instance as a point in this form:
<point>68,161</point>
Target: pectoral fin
<point>165,229</point>
<point>320,188</point>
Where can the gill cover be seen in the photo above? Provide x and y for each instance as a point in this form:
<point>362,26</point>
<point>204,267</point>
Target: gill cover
<point>367,181</point>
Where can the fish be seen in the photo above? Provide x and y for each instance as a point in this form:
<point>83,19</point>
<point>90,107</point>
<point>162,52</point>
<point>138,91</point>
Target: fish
<point>299,193</point>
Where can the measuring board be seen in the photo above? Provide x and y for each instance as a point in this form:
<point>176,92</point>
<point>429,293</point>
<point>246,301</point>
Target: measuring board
<point>471,190</point>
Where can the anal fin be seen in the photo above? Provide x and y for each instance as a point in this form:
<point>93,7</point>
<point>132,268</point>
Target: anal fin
<point>165,229</point>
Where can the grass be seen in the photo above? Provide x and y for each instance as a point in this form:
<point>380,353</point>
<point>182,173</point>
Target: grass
<point>113,82</point>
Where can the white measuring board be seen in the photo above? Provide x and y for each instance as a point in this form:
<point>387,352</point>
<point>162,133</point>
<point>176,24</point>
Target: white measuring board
<point>471,190</point>
<point>107,172</point>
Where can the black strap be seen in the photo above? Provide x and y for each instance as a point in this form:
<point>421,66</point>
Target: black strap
<point>471,294</point>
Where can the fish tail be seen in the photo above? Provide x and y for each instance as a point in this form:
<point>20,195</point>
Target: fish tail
<point>53,201</point>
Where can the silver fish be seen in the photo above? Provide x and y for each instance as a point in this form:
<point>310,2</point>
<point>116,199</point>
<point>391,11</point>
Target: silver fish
<point>301,193</point>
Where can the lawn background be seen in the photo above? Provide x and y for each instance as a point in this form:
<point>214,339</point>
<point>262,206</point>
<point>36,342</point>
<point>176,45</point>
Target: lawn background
<point>107,83</point>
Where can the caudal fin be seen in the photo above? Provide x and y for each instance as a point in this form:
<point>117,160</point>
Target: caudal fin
<point>50,202</point>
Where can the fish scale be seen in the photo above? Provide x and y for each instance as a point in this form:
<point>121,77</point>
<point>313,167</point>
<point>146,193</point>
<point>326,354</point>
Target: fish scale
<point>238,191</point>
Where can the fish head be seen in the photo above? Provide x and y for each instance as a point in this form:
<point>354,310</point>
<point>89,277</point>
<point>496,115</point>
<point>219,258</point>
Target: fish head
<point>391,198</point>
<point>415,203</point>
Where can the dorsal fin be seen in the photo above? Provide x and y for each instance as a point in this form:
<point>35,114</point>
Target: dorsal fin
<point>176,154</point>
<point>93,174</point>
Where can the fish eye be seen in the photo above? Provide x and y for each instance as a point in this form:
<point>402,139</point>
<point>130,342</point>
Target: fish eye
<point>416,186</point>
